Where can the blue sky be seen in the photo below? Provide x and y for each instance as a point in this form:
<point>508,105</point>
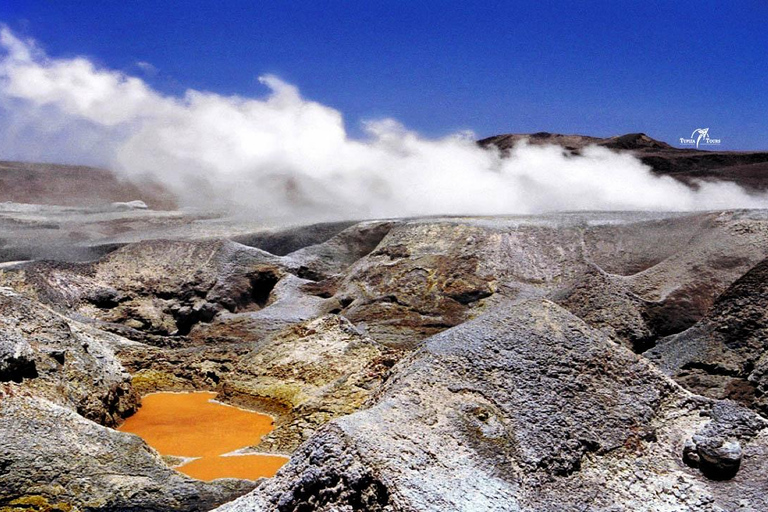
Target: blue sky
<point>598,68</point>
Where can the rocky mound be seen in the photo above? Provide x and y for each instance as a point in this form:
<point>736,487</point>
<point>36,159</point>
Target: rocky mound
<point>150,290</point>
<point>724,354</point>
<point>61,360</point>
<point>525,408</point>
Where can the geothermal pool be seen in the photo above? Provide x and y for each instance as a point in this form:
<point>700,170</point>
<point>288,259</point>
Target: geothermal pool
<point>205,433</point>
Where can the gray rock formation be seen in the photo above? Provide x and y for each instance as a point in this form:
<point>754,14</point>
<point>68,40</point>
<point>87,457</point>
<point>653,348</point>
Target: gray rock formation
<point>62,360</point>
<point>724,354</point>
<point>51,452</point>
<point>415,364</point>
<point>525,408</point>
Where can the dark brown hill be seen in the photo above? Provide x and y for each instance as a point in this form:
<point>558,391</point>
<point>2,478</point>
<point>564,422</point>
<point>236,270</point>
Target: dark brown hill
<point>746,168</point>
<point>75,185</point>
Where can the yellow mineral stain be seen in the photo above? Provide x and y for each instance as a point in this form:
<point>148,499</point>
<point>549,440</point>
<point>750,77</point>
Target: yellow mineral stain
<point>192,425</point>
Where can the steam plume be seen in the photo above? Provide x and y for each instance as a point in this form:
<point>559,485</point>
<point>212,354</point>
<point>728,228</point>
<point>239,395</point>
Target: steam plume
<point>283,156</point>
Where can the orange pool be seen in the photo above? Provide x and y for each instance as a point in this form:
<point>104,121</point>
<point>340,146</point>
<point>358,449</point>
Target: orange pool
<point>191,425</point>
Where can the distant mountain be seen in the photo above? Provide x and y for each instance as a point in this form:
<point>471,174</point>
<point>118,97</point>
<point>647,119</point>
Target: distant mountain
<point>630,141</point>
<point>746,168</point>
<point>75,185</point>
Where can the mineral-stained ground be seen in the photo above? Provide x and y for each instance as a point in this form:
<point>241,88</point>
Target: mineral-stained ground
<point>561,362</point>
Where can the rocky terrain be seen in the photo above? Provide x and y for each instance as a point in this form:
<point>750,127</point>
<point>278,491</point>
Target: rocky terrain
<point>609,361</point>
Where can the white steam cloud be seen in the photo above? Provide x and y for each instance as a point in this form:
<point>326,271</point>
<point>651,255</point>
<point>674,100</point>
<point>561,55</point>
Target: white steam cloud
<point>286,157</point>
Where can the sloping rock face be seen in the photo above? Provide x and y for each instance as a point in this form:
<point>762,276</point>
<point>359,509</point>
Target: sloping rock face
<point>151,290</point>
<point>724,354</point>
<point>522,409</point>
<point>61,360</point>
<point>658,278</point>
<point>310,373</point>
<point>607,302</point>
<point>426,276</point>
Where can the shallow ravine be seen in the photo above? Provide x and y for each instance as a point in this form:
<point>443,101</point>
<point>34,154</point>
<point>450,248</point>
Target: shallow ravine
<point>194,427</point>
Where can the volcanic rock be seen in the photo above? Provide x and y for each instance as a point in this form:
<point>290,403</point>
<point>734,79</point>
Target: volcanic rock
<point>723,355</point>
<point>524,408</point>
<point>49,452</point>
<point>419,364</point>
<point>61,387</point>
<point>62,360</point>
